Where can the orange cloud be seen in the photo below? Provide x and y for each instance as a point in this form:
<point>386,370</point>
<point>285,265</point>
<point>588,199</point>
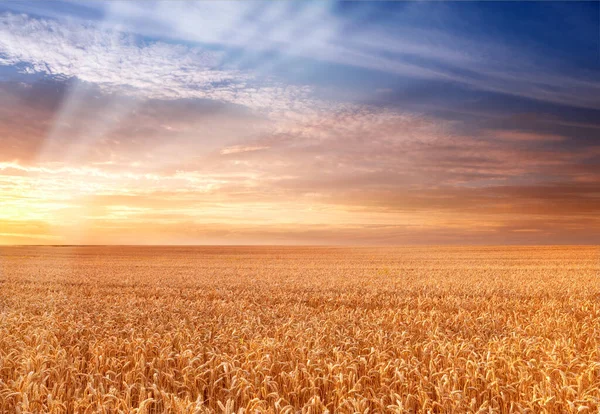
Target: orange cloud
<point>189,172</point>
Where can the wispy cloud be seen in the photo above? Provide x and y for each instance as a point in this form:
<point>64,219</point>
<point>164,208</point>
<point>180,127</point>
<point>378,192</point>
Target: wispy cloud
<point>236,149</point>
<point>259,36</point>
<point>399,45</point>
<point>119,62</point>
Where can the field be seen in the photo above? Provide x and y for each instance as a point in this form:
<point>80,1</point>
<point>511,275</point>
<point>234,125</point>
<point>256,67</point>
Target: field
<point>289,329</point>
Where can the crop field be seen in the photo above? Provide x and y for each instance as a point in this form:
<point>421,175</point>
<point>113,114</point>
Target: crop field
<point>299,329</point>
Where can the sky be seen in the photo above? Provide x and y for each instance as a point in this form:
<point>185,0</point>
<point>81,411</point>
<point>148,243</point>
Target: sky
<point>313,122</point>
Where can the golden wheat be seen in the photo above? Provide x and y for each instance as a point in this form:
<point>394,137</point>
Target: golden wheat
<point>282,330</point>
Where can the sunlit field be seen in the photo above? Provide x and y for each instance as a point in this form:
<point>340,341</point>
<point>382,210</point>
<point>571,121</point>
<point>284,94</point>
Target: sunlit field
<point>296,329</point>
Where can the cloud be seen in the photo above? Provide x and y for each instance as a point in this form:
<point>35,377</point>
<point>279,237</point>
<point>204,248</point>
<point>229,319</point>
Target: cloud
<point>236,149</point>
<point>118,62</point>
<point>383,178</point>
<point>396,44</point>
<point>260,36</point>
<point>105,57</point>
<point>522,136</point>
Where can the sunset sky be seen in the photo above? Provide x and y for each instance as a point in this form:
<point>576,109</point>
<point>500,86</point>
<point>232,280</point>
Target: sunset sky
<point>299,123</point>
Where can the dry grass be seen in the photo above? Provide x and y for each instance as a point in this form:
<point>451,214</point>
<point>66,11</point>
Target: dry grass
<point>184,330</point>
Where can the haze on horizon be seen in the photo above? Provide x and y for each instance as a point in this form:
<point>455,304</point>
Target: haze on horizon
<point>125,122</point>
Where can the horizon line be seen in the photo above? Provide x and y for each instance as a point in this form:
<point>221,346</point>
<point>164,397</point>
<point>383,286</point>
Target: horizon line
<point>313,245</point>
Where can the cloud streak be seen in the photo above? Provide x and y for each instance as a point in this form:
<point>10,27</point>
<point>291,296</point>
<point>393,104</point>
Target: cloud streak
<point>397,46</point>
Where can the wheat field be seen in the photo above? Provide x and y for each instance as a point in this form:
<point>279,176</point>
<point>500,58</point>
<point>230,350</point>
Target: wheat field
<point>299,329</point>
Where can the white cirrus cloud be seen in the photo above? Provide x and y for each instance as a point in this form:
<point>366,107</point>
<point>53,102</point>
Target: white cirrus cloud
<point>398,45</point>
<point>120,62</point>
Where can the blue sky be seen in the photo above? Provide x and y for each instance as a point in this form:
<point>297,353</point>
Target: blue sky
<point>537,50</point>
<point>347,115</point>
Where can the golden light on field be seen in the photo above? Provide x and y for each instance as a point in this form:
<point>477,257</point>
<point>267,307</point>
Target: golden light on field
<point>296,329</point>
